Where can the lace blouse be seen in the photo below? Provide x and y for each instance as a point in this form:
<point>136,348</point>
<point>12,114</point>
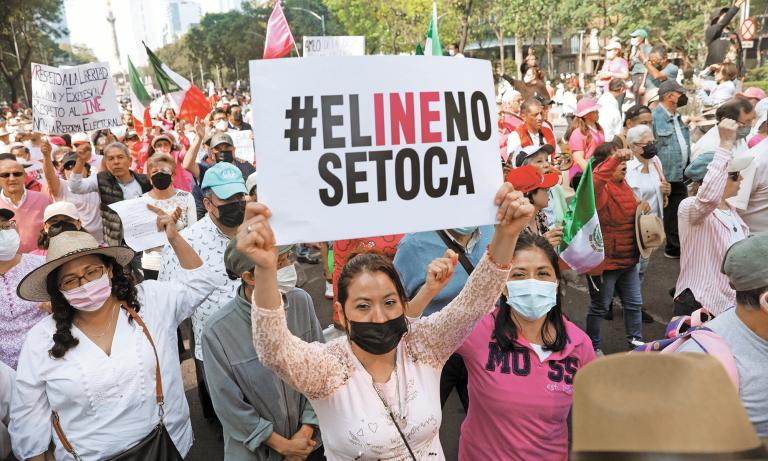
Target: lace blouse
<point>354,421</point>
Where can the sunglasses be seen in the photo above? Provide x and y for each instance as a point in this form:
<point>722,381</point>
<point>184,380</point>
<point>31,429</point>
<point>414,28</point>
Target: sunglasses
<point>734,176</point>
<point>15,174</point>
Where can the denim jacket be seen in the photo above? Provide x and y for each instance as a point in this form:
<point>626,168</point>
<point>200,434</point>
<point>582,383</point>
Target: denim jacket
<point>667,144</point>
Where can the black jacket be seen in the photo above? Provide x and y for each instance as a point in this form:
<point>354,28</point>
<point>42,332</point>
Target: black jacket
<point>719,40</point>
<point>110,192</point>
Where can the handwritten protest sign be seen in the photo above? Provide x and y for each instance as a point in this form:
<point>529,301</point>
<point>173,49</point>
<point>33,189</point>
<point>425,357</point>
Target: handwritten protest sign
<point>139,224</point>
<point>374,145</point>
<point>243,145</point>
<point>342,45</point>
<point>73,99</point>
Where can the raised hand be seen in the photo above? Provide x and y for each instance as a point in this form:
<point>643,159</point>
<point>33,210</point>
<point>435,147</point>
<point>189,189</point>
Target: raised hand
<point>727,129</point>
<point>623,155</point>
<point>555,235</point>
<point>46,149</point>
<point>515,211</point>
<point>440,272</point>
<point>255,238</point>
<point>165,222</point>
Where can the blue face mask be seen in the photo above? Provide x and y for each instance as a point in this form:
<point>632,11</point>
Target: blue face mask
<point>532,299</point>
<point>465,230</point>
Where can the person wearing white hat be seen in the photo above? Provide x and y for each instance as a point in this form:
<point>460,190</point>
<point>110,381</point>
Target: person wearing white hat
<point>614,66</point>
<point>105,365</point>
<point>709,225</point>
<point>58,217</point>
<point>82,143</point>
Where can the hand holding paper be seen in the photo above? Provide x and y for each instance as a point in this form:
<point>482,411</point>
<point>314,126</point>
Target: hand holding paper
<point>144,228</point>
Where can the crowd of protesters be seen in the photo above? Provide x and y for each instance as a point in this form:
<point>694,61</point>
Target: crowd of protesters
<point>90,343</point>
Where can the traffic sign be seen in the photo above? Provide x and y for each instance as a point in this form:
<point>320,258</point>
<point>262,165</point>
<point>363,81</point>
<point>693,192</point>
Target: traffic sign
<point>748,44</point>
<point>748,29</point>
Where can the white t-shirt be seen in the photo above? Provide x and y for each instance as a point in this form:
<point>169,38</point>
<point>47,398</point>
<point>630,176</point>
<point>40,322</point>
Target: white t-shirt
<point>106,404</point>
<point>647,186</point>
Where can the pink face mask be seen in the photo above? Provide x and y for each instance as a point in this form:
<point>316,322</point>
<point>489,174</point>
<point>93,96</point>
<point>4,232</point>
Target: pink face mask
<point>90,296</point>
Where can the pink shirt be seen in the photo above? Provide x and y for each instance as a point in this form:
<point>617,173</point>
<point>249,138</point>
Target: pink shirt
<point>29,217</point>
<point>615,66</point>
<point>578,142</point>
<point>519,404</point>
<point>17,316</point>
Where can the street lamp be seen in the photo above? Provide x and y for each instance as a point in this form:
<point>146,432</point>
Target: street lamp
<point>321,18</point>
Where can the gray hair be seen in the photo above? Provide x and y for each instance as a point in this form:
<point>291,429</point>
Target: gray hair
<point>636,133</point>
<point>118,145</point>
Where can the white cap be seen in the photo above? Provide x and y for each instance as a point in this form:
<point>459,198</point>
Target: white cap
<point>61,208</point>
<point>80,138</point>
<point>250,182</point>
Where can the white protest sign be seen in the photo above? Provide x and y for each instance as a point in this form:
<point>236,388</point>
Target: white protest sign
<point>375,145</point>
<point>139,224</point>
<point>342,45</point>
<point>243,145</point>
<point>73,99</point>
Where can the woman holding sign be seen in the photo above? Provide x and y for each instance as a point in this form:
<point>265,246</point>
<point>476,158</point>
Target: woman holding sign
<point>376,392</point>
<point>105,365</point>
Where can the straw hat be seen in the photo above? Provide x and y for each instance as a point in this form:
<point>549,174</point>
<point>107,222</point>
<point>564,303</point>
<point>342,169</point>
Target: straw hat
<point>649,232</point>
<point>660,407</point>
<point>64,248</point>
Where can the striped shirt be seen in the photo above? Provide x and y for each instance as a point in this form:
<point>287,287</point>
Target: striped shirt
<point>705,237</point>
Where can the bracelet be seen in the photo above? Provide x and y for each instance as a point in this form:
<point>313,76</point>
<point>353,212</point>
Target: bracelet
<point>504,267</point>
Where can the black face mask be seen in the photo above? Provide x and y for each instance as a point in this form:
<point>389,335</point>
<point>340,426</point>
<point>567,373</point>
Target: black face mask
<point>238,117</point>
<point>682,101</point>
<point>61,226</point>
<point>649,151</point>
<point>232,214</point>
<point>378,338</point>
<point>225,156</point>
<point>161,181</point>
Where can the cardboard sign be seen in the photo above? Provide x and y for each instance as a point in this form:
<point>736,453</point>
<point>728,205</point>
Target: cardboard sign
<point>73,99</point>
<point>243,145</point>
<point>343,45</point>
<point>375,145</point>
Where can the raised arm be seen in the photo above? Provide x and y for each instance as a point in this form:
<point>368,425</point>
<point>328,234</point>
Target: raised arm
<point>190,158</point>
<point>710,192</point>
<point>49,171</point>
<point>436,337</point>
<point>439,273</point>
<point>309,367</point>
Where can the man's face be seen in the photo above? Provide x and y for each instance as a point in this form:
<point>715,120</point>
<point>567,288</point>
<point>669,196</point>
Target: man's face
<point>672,97</point>
<point>12,177</point>
<point>656,61</point>
<point>222,153</point>
<point>118,163</point>
<point>236,114</point>
<point>21,153</point>
<point>84,147</point>
<point>534,118</point>
<point>747,119</point>
<point>219,116</point>
<point>452,50</point>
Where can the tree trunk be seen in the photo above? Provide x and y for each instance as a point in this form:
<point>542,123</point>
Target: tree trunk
<point>465,25</point>
<point>500,37</point>
<point>518,53</point>
<point>550,64</point>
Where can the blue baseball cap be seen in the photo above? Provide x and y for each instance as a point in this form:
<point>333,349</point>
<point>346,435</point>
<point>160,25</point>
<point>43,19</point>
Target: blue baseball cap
<point>225,179</point>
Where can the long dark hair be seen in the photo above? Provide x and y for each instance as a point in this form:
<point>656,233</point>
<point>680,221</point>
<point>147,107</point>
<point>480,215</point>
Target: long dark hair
<point>505,329</point>
<point>123,287</point>
<point>369,262</point>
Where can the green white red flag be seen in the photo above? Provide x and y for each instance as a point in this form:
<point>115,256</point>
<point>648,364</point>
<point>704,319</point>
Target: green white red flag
<point>433,46</point>
<point>582,245</point>
<point>187,100</point>
<point>140,101</point>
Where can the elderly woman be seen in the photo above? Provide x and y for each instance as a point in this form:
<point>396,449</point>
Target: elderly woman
<point>375,391</point>
<point>94,364</point>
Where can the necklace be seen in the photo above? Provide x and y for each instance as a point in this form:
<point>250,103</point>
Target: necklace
<point>400,419</point>
<point>103,333</point>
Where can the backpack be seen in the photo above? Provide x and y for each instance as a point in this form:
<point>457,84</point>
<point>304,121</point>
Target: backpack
<point>693,327</point>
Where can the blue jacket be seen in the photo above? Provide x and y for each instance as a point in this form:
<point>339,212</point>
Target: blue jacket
<point>416,251</point>
<point>667,144</point>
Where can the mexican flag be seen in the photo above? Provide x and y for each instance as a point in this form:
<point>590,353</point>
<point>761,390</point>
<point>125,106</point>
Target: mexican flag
<point>582,244</point>
<point>140,101</point>
<point>433,47</point>
<point>187,100</point>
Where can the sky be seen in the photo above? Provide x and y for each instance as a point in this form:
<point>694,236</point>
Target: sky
<point>135,20</point>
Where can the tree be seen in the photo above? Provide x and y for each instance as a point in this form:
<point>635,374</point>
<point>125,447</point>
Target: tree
<point>26,32</point>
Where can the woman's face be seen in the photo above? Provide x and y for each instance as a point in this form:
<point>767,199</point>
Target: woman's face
<point>160,167</point>
<point>540,199</point>
<point>591,117</point>
<point>85,267</point>
<point>372,297</point>
<point>61,218</point>
<point>642,119</point>
<point>531,263</point>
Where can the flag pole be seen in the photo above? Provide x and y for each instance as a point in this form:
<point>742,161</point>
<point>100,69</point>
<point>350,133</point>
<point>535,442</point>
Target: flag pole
<point>296,47</point>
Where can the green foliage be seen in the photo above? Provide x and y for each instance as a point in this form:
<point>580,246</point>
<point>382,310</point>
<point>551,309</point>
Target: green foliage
<point>758,73</point>
<point>762,84</point>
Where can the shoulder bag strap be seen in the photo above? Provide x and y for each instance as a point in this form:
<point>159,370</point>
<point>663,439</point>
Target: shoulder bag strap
<point>158,388</point>
<point>452,245</point>
<point>402,436</point>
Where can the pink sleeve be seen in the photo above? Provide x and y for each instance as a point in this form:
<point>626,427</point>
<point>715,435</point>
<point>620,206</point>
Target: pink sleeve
<point>576,142</point>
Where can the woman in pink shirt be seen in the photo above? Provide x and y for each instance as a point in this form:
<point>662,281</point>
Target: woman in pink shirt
<point>521,360</point>
<point>585,135</point>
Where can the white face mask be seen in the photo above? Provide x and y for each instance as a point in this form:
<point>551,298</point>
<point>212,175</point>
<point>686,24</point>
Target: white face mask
<point>528,78</point>
<point>635,41</point>
<point>287,278</point>
<point>221,125</point>
<point>9,244</point>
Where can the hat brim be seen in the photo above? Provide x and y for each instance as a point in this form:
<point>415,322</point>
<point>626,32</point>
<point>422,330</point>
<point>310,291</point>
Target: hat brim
<point>6,213</point>
<point>644,251</point>
<point>225,191</point>
<point>586,111</point>
<point>549,180</point>
<point>33,286</point>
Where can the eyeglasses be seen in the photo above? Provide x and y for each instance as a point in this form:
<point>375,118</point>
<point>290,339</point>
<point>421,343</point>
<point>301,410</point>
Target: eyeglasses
<point>7,225</point>
<point>734,176</point>
<point>15,174</point>
<point>71,282</point>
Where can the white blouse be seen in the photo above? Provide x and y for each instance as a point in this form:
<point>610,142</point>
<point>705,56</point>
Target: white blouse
<point>106,404</point>
<point>647,186</point>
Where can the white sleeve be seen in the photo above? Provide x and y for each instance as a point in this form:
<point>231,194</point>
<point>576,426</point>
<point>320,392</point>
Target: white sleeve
<point>30,426</point>
<point>513,143</point>
<point>191,210</point>
<point>80,185</point>
<point>7,379</point>
<point>178,298</point>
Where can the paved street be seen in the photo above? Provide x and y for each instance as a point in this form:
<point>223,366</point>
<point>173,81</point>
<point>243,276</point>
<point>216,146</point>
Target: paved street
<point>661,276</point>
